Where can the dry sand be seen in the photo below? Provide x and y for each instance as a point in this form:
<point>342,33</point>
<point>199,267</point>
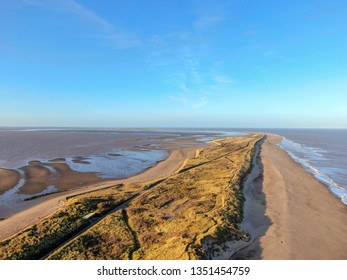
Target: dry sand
<point>296,217</point>
<point>36,209</point>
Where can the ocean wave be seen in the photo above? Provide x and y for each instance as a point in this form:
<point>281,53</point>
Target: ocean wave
<point>308,157</point>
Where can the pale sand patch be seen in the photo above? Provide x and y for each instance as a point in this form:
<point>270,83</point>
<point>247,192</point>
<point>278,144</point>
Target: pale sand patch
<point>44,206</point>
<point>306,220</point>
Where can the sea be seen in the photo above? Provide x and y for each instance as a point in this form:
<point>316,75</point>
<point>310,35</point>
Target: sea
<point>108,153</point>
<point>111,153</point>
<point>120,153</point>
<point>321,152</point>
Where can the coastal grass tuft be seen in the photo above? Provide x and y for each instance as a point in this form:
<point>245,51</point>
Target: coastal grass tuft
<point>36,241</point>
<point>109,239</point>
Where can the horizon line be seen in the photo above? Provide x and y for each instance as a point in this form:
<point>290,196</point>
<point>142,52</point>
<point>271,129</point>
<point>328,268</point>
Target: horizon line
<point>168,127</point>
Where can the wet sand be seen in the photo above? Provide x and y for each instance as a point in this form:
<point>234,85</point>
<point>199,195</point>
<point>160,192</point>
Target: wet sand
<point>296,216</point>
<point>31,211</point>
<point>39,177</point>
<point>8,179</point>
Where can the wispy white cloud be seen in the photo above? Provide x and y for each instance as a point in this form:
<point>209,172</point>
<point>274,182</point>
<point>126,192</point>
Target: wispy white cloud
<point>188,69</point>
<point>208,20</point>
<point>72,7</point>
<point>276,54</point>
<point>210,14</point>
<point>202,102</point>
<point>192,62</point>
<point>193,77</point>
<point>222,79</point>
<point>190,102</point>
<point>185,89</point>
<point>180,99</point>
<point>111,35</point>
<point>269,53</point>
<point>251,32</point>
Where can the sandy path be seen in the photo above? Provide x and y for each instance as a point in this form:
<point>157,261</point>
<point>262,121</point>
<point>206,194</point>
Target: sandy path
<point>46,205</point>
<point>306,220</point>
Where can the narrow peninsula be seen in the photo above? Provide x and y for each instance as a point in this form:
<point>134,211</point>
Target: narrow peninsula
<point>191,214</point>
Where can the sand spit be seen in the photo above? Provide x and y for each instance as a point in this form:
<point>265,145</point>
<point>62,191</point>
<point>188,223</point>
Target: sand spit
<point>288,214</point>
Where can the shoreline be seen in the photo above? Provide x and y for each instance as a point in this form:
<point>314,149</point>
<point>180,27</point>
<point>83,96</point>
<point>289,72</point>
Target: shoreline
<point>39,208</point>
<point>322,177</point>
<point>297,217</point>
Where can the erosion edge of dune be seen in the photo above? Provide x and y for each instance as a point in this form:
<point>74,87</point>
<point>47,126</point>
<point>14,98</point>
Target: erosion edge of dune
<point>290,214</point>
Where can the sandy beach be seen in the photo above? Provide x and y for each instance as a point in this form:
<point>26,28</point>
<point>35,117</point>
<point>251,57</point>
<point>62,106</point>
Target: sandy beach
<point>34,210</point>
<point>296,217</point>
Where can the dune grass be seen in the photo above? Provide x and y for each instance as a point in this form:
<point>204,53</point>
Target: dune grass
<point>109,239</point>
<point>204,200</point>
<point>172,219</point>
<point>37,240</point>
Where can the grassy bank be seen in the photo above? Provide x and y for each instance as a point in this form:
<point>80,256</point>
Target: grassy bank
<point>167,219</point>
<point>36,241</point>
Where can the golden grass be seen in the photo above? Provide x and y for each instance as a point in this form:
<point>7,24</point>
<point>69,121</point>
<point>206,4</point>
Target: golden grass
<point>37,240</point>
<point>109,239</point>
<point>204,200</point>
<point>169,219</point>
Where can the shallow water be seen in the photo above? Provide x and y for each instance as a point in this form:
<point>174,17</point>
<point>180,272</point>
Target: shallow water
<point>108,153</point>
<point>125,164</point>
<point>19,146</point>
<point>12,198</point>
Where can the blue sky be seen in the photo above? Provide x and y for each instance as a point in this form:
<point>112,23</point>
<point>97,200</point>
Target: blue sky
<point>154,63</point>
